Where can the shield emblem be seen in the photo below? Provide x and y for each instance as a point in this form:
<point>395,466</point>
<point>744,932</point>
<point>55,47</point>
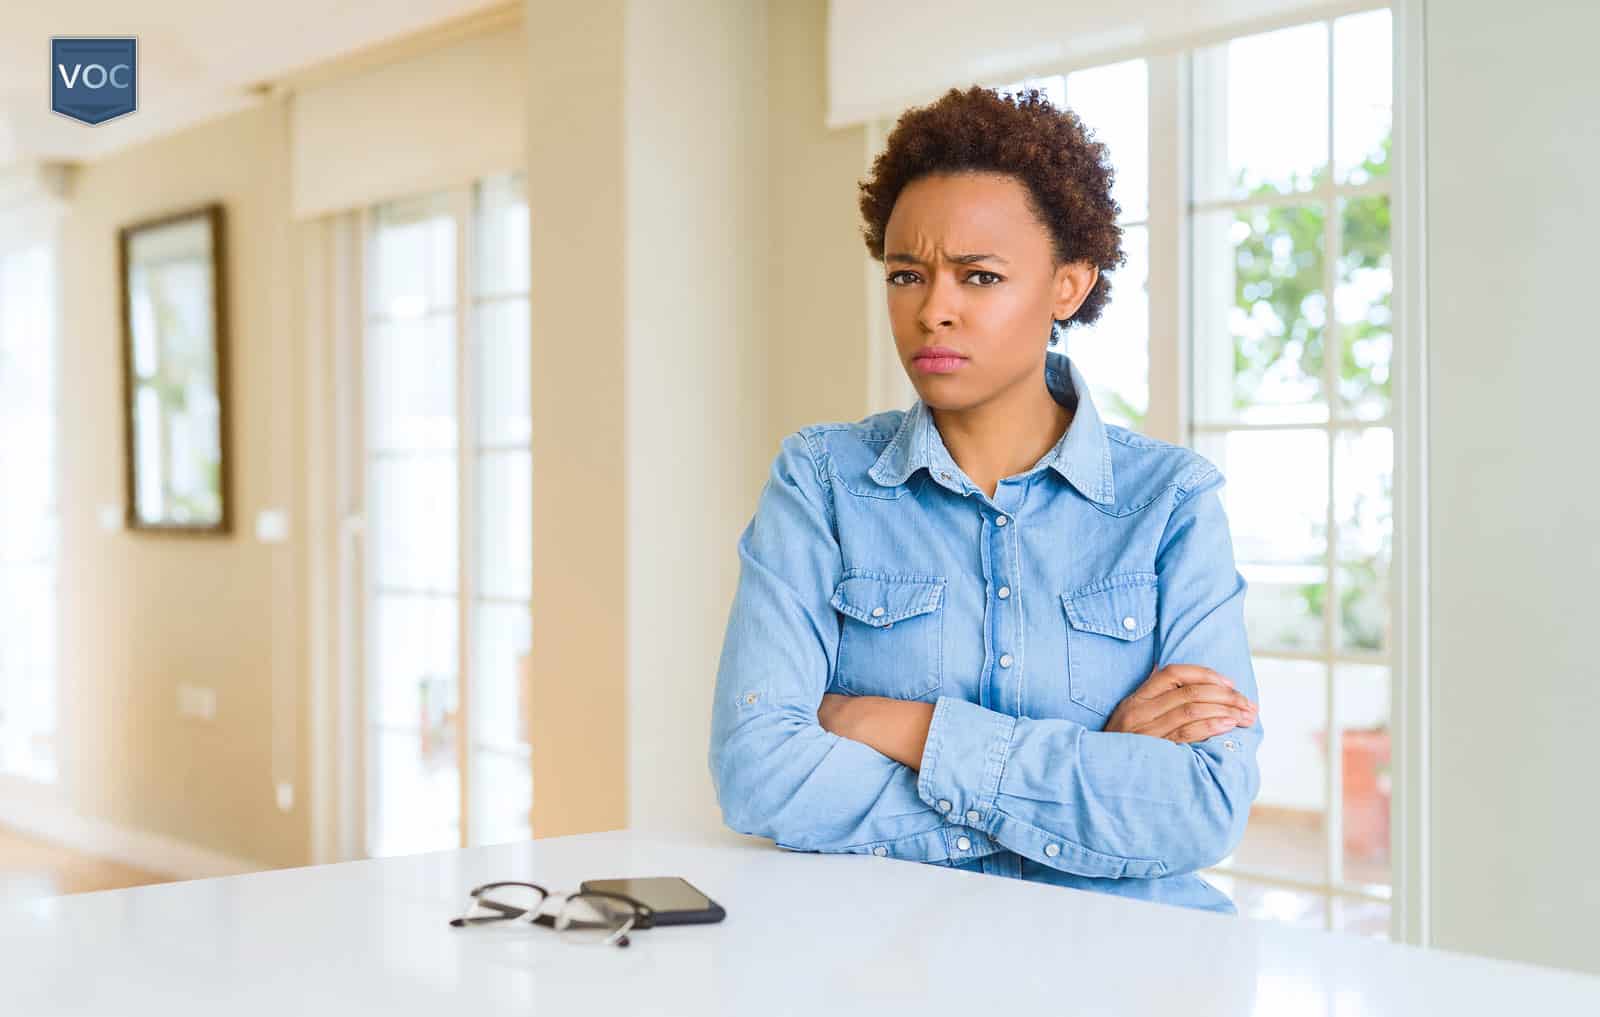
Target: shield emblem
<point>94,80</point>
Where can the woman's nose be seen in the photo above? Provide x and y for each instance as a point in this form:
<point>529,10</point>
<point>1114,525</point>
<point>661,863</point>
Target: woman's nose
<point>939,307</point>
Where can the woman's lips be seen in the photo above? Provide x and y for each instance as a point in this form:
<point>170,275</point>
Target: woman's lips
<point>939,362</point>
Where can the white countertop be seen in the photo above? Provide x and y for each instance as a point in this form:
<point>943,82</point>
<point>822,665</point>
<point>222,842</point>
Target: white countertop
<point>854,934</point>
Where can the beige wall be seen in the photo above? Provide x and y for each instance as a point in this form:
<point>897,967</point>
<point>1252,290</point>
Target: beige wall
<point>142,613</point>
<point>1512,221</point>
<point>817,317</point>
<point>576,190</point>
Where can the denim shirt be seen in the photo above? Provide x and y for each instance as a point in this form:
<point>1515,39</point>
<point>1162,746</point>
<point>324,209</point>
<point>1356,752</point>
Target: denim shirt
<point>875,566</point>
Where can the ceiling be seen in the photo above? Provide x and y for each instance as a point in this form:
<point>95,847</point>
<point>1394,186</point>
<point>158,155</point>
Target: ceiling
<point>198,59</point>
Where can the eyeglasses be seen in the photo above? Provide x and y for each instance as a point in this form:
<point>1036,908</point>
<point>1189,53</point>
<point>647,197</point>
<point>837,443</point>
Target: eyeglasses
<point>591,917</point>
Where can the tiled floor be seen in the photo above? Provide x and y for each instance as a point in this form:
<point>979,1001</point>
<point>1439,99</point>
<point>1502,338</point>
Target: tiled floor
<point>31,868</point>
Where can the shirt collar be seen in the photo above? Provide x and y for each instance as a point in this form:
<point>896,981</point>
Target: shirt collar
<point>1082,457</point>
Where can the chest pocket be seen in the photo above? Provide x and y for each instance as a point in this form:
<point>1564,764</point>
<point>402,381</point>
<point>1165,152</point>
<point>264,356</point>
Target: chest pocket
<point>1111,648</point>
<point>891,635</point>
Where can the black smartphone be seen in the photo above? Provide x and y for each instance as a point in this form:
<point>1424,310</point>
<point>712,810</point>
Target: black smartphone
<point>674,900</point>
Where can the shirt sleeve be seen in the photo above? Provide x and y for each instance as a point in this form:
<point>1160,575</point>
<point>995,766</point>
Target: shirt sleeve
<point>1109,804</point>
<point>776,771</point>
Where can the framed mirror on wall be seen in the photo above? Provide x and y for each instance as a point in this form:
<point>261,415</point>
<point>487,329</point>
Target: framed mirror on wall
<point>175,401</point>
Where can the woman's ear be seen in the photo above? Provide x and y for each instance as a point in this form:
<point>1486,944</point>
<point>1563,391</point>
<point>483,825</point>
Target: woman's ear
<point>1072,284</point>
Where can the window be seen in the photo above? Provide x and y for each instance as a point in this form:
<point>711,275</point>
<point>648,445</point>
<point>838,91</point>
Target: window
<point>28,513</point>
<point>449,530</point>
<point>1293,341</point>
<point>1114,353</point>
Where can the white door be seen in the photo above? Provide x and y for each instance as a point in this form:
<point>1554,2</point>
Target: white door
<point>447,484</point>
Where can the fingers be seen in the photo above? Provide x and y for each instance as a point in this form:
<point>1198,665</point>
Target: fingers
<point>1197,716</point>
<point>1177,676</point>
<point>1200,730</point>
<point>1191,694</point>
<point>1167,711</point>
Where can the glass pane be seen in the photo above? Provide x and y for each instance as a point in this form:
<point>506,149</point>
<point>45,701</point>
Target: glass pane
<point>1274,904</point>
<point>1283,610</point>
<point>412,510</point>
<point>1363,308</point>
<point>1276,494</point>
<point>28,670</point>
<point>1364,510</point>
<point>499,678</point>
<point>1362,96</point>
<point>504,375</point>
<point>1361,917</point>
<point>417,800</point>
<point>502,796</point>
<point>505,524</point>
<point>1261,113</point>
<point>1114,353</point>
<point>1287,835</point>
<point>413,258</point>
<point>1364,492</point>
<point>1260,315</point>
<point>502,262</point>
<point>416,659</point>
<point>412,365</point>
<point>1363,704</point>
<point>1114,103</point>
<point>1364,606</point>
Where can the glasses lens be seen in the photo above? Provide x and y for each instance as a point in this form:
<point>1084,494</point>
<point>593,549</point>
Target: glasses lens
<point>519,903</point>
<point>588,918</point>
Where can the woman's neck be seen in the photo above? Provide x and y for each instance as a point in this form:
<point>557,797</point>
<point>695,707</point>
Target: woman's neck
<point>1005,435</point>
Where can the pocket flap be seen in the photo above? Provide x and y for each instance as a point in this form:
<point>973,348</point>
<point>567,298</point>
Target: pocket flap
<point>880,600</point>
<point>1121,606</point>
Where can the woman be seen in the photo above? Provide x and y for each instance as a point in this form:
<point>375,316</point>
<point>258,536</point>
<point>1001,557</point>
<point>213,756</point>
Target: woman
<point>992,632</point>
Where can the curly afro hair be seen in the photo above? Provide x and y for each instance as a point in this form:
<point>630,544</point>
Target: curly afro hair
<point>1067,173</point>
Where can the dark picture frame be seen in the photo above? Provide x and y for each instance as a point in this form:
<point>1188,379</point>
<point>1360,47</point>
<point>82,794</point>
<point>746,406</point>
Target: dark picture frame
<point>175,406</point>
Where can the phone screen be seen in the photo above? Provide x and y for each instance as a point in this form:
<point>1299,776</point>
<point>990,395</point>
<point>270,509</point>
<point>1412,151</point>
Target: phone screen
<point>662,893</point>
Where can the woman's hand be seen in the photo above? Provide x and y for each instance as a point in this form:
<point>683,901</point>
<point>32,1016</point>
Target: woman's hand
<point>897,728</point>
<point>1183,703</point>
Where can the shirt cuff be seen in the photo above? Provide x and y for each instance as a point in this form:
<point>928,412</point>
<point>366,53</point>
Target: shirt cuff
<point>951,844</point>
<point>963,761</point>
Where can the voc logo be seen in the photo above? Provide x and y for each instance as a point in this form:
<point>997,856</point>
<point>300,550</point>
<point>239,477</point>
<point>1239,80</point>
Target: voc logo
<point>94,80</point>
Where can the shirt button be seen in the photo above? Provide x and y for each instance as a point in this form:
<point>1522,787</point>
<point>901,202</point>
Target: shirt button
<point>963,844</point>
<point>880,851</point>
<point>750,700</point>
<point>1051,850</point>
<point>1231,745</point>
<point>1000,520</point>
<point>1005,660</point>
<point>877,612</point>
<point>944,806</point>
<point>972,815</point>
<point>1129,624</point>
<point>1003,592</point>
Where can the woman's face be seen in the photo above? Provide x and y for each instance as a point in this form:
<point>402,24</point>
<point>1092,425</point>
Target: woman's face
<point>971,273</point>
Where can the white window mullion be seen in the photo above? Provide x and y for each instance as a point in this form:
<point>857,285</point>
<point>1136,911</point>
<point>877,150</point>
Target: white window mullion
<point>1330,612</point>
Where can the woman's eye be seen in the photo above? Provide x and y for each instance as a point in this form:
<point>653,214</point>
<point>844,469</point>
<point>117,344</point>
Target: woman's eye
<point>902,278</point>
<point>984,278</point>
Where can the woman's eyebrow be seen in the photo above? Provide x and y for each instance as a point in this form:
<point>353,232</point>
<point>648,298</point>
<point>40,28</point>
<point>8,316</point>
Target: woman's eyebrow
<point>959,259</point>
